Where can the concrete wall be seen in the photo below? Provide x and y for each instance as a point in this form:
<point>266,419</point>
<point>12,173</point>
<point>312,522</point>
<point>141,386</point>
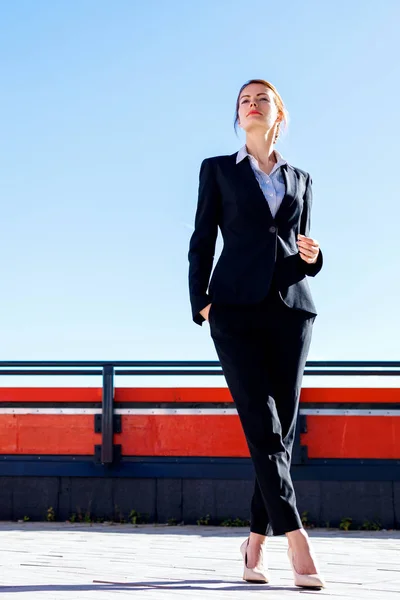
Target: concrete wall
<point>190,499</point>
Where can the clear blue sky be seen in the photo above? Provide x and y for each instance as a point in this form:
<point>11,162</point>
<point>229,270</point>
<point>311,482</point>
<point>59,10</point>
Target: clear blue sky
<point>108,109</point>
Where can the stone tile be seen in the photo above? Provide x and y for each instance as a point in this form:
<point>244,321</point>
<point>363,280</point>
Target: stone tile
<point>233,498</point>
<point>396,503</point>
<point>6,486</point>
<point>33,497</point>
<point>64,499</point>
<point>135,494</point>
<point>360,500</point>
<point>90,495</point>
<point>169,500</point>
<point>308,498</point>
<point>198,499</point>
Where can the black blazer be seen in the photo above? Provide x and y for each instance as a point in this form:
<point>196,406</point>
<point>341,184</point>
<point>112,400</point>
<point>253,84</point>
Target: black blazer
<point>255,243</point>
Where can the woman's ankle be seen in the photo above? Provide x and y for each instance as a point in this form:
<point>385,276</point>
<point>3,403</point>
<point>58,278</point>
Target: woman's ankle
<point>297,538</point>
<point>257,539</point>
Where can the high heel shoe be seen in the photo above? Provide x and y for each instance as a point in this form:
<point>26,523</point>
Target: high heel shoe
<point>255,575</point>
<point>314,580</point>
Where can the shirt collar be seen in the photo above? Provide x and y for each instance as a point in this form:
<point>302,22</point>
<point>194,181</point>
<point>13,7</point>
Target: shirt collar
<point>243,153</point>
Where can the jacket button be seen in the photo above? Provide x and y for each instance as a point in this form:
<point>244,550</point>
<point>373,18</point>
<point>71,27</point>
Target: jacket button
<point>272,229</point>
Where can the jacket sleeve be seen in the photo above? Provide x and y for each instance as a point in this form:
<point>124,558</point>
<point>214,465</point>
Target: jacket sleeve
<point>203,240</point>
<point>305,222</point>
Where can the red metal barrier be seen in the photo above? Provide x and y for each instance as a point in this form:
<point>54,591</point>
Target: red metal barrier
<point>193,422</point>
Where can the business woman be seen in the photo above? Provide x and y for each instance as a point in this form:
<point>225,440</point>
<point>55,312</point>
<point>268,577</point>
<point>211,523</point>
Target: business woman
<point>260,311</point>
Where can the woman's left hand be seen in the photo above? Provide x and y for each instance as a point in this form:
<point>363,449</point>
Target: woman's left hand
<point>308,248</point>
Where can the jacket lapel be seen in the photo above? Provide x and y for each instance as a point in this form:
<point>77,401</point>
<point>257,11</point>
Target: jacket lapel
<point>253,195</point>
<point>250,189</point>
<point>290,179</point>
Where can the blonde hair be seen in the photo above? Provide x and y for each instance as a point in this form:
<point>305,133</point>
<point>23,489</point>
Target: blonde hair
<point>278,102</point>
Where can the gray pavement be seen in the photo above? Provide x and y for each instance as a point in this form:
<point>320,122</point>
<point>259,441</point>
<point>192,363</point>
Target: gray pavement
<point>103,561</point>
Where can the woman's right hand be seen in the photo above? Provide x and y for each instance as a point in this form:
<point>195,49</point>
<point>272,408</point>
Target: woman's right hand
<point>204,311</point>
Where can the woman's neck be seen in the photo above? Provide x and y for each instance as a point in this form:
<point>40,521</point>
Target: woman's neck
<point>261,147</point>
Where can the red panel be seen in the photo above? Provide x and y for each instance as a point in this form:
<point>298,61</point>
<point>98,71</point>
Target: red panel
<point>194,435</point>
<point>350,395</point>
<point>182,435</point>
<point>203,435</point>
<point>172,395</point>
<point>26,395</point>
<point>47,434</point>
<point>352,437</point>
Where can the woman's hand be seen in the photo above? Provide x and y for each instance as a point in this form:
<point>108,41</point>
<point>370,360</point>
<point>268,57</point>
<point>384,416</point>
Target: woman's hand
<point>308,248</point>
<point>204,311</point>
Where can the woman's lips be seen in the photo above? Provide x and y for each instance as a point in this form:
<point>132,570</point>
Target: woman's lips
<point>254,112</point>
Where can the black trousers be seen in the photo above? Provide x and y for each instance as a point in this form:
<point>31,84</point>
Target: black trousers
<point>263,349</point>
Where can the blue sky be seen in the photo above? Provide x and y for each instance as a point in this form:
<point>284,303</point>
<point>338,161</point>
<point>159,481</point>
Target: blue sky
<point>108,109</point>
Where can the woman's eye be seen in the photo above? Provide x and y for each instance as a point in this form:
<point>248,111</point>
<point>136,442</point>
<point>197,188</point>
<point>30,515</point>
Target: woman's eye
<point>246,100</point>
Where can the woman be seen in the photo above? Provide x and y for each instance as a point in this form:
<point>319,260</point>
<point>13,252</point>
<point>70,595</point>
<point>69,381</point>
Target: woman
<point>260,310</point>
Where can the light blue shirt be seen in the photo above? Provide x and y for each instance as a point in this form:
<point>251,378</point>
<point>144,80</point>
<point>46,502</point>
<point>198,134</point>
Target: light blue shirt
<point>272,185</point>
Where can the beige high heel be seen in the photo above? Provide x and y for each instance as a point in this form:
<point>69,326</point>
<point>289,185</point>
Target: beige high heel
<point>255,575</point>
<point>314,580</point>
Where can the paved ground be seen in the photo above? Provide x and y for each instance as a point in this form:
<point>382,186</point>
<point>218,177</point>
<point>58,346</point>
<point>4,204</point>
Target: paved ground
<point>75,561</point>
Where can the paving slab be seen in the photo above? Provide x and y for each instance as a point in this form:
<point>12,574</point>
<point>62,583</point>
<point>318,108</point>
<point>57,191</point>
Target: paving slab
<point>60,561</point>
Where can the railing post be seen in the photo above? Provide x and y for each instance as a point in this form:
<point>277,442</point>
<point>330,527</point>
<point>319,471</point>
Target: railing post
<point>107,415</point>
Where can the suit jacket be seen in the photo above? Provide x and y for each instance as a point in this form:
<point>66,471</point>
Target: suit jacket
<point>256,245</point>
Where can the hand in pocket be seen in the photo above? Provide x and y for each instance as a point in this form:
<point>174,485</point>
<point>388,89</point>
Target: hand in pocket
<point>205,312</point>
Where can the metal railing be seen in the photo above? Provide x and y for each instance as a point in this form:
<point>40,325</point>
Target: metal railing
<point>108,369</point>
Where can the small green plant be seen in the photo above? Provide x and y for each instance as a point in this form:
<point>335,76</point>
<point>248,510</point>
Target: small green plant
<point>83,518</point>
<point>25,519</point>
<point>327,524</point>
<point>119,515</point>
<point>133,517</point>
<point>204,520</point>
<point>50,514</point>
<point>345,523</point>
<point>172,521</point>
<point>371,525</point>
<point>72,518</point>
<point>235,522</point>
<point>87,518</point>
<point>304,518</point>
<point>307,524</point>
<point>136,517</point>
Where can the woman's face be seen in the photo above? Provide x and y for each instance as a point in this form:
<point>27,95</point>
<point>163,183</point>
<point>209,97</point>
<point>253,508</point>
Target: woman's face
<point>257,108</point>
